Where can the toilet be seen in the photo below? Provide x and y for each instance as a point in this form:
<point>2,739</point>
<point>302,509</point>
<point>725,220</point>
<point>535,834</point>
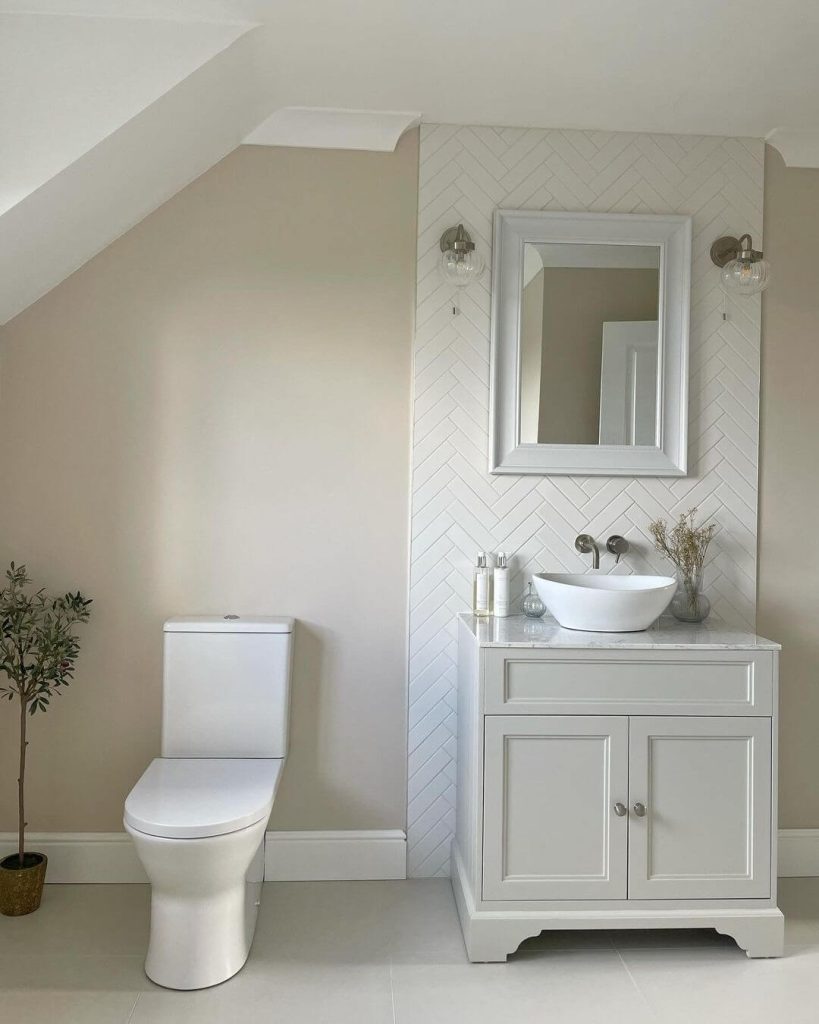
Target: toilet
<point>198,813</point>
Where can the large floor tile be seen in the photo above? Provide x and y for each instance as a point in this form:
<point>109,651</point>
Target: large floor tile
<point>46,988</point>
<point>35,972</point>
<point>684,986</point>
<point>581,988</point>
<point>422,923</point>
<point>287,992</point>
<point>360,922</point>
<point>83,919</point>
<point>325,922</point>
<point>53,1007</point>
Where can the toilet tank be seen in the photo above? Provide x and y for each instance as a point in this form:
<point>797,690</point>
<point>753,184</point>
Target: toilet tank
<point>226,686</point>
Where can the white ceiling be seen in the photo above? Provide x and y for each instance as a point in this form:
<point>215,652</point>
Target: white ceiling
<point>107,108</point>
<point>732,67</point>
<point>68,82</point>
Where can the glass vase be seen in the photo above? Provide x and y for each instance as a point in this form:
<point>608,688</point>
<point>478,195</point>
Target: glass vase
<point>689,604</point>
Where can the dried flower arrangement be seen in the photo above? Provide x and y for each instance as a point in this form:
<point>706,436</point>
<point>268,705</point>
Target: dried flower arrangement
<point>685,545</point>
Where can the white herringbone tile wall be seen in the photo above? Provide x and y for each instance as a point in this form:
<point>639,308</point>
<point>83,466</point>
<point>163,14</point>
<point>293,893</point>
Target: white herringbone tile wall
<point>459,508</point>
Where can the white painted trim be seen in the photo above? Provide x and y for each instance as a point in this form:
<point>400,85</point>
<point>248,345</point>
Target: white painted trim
<point>798,852</point>
<point>797,148</point>
<point>330,128</point>
<point>672,234</point>
<point>82,856</point>
<point>335,856</point>
<point>198,11</point>
<point>99,857</point>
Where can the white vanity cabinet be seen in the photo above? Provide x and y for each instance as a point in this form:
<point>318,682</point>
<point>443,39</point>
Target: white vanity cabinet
<point>615,781</point>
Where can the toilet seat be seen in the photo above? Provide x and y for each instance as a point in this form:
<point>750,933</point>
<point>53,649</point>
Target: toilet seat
<point>194,798</point>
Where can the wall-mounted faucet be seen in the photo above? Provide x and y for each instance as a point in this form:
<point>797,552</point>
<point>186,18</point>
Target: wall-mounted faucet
<point>586,543</point>
<point>617,545</point>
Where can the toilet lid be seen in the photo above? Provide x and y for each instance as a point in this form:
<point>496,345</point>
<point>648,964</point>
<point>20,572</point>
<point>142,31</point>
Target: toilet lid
<point>196,797</point>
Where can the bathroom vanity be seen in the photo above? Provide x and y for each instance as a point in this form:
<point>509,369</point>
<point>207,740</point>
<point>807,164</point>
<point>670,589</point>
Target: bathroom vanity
<point>615,780</point>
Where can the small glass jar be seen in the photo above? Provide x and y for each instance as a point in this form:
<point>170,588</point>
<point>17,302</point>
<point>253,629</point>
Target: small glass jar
<point>689,604</point>
<point>531,604</point>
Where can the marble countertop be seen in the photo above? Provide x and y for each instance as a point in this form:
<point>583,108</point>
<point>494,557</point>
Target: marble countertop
<point>666,633</point>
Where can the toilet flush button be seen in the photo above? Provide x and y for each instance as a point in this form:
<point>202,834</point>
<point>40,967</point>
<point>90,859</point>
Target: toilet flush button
<point>231,616</point>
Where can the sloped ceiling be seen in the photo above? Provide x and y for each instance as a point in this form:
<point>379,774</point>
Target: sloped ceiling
<point>82,78</point>
<point>102,120</point>
<point>104,116</point>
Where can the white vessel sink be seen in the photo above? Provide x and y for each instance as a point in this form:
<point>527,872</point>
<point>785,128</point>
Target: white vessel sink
<point>604,604</point>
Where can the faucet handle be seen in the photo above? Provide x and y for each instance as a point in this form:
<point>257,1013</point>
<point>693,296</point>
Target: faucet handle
<point>617,545</point>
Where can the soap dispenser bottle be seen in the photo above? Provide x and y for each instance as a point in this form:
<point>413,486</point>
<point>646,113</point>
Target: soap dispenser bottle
<point>481,587</point>
<point>500,588</point>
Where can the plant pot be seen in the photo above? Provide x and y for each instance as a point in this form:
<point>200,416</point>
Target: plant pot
<point>21,888</point>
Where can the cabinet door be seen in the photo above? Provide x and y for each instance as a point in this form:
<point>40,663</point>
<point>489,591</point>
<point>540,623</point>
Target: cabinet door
<point>550,828</point>
<point>705,784</point>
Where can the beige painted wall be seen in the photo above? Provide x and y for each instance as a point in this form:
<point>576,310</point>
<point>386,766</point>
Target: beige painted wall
<point>212,416</point>
<point>788,609</point>
<point>576,303</point>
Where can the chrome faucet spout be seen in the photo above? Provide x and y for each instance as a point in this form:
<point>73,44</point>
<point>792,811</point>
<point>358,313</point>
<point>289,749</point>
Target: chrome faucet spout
<point>586,543</point>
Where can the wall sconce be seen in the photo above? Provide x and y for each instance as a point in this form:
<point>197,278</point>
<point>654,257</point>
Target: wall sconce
<point>460,264</point>
<point>744,271</point>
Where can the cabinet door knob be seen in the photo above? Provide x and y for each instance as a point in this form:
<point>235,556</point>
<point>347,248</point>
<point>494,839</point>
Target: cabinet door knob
<point>640,809</point>
<point>620,810</point>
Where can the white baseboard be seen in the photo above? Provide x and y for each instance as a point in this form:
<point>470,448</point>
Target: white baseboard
<point>82,856</point>
<point>304,856</point>
<point>76,857</point>
<point>798,852</point>
<point>335,856</point>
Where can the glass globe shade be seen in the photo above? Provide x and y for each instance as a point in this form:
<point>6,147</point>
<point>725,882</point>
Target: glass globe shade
<point>741,277</point>
<point>461,269</point>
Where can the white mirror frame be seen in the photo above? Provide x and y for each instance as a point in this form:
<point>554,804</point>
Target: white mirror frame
<point>672,234</point>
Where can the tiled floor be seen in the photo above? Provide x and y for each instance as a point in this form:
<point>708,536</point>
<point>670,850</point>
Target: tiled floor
<point>384,952</point>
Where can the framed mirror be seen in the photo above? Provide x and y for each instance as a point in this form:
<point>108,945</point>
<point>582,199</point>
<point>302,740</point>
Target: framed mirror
<point>589,352</point>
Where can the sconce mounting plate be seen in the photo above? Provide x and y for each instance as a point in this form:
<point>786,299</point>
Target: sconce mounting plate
<point>449,236</point>
<point>724,250</point>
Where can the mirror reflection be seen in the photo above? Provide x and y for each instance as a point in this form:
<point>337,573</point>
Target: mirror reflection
<point>589,340</point>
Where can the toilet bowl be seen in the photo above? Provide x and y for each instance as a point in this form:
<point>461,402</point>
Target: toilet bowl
<point>204,900</point>
<point>198,826</point>
<point>198,814</point>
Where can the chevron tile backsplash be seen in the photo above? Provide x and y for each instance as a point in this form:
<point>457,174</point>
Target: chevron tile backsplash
<point>458,508</point>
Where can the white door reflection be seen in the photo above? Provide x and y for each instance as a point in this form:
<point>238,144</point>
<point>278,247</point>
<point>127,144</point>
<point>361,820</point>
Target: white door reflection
<point>628,382</point>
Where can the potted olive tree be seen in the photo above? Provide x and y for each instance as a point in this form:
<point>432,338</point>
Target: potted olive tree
<point>38,651</point>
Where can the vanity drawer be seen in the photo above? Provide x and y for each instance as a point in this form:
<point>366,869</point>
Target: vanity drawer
<point>664,682</point>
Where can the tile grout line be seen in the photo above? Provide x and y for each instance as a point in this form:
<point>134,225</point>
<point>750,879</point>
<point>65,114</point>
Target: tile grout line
<point>130,1016</point>
<point>637,988</point>
<point>392,995</point>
